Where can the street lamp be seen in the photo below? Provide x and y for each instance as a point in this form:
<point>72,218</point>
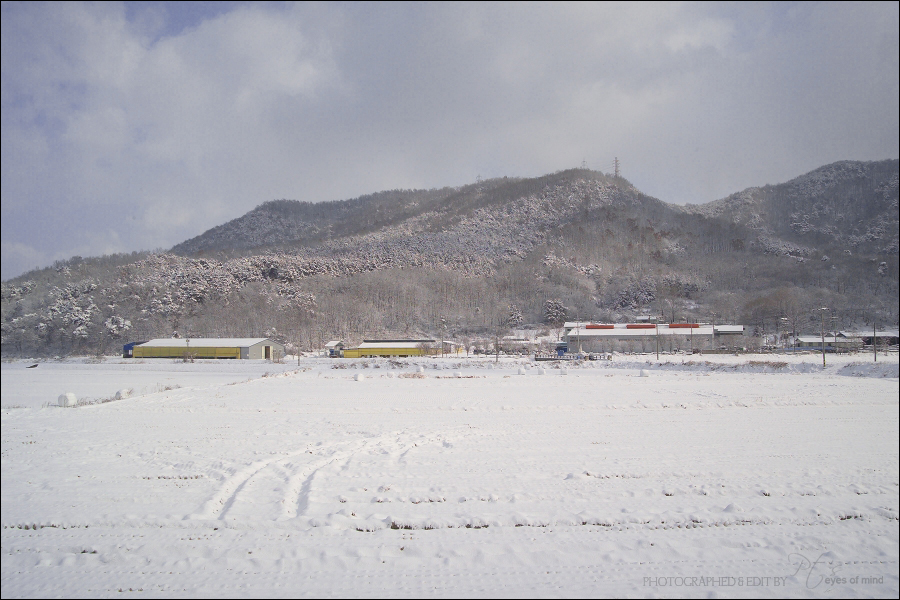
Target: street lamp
<point>578,335</point>
<point>784,326</point>
<point>823,309</point>
<point>657,339</point>
<point>874,340</point>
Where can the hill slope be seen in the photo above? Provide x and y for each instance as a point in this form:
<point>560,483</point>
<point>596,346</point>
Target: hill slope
<point>852,205</point>
<point>470,258</point>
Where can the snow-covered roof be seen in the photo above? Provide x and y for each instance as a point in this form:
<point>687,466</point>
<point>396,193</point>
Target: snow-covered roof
<point>205,342</point>
<point>817,339</point>
<point>412,345</point>
<point>729,328</point>
<point>589,329</point>
<point>880,333</point>
<point>333,344</point>
<point>624,331</point>
<point>573,324</point>
<point>570,324</point>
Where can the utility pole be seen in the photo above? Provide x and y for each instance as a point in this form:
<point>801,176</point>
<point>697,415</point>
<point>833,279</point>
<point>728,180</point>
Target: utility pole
<point>616,166</point>
<point>657,339</point>
<point>874,340</point>
<point>497,343</point>
<point>785,326</point>
<point>823,336</point>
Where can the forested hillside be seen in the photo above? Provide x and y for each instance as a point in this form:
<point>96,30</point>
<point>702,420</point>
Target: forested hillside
<point>467,261</point>
<point>847,205</point>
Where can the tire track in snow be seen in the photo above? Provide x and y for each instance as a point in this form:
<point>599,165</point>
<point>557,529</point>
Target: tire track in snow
<point>263,477</point>
<point>236,487</point>
<point>222,501</point>
<point>239,488</point>
<point>298,501</point>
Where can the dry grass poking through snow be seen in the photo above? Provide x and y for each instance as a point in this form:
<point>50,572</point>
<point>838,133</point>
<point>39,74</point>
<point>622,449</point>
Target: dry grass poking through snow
<point>767,363</point>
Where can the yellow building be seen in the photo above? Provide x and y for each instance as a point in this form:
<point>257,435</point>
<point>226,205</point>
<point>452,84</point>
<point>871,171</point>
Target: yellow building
<point>246,348</point>
<point>393,348</point>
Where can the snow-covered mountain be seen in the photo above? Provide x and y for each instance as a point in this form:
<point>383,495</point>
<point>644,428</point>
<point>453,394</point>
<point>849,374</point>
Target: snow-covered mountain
<point>491,218</point>
<point>846,205</point>
<point>850,205</point>
<point>407,261</point>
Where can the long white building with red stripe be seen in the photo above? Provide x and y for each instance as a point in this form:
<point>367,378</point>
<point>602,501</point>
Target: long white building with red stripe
<point>591,337</point>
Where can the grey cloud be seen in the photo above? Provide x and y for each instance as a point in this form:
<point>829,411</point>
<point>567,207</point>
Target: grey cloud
<point>155,124</point>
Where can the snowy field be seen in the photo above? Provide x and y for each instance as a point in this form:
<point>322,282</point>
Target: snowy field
<point>713,476</point>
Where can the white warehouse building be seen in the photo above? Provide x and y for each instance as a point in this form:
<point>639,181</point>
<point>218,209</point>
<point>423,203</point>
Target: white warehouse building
<point>605,337</point>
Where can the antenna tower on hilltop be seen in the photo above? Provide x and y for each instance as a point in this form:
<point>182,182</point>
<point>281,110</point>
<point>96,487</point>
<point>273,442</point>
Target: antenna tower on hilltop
<point>616,166</point>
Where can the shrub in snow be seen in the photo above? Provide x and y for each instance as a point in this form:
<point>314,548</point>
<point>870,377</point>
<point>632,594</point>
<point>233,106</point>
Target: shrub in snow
<point>67,399</point>
<point>418,375</point>
<point>515,317</point>
<point>555,312</point>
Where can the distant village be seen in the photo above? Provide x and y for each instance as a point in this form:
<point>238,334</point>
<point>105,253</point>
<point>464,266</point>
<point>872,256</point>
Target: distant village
<point>574,340</point>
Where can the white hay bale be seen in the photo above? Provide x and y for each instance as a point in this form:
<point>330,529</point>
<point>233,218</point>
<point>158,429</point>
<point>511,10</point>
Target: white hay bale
<point>67,399</point>
<point>123,393</point>
<point>421,369</point>
<point>360,377</point>
<point>522,371</point>
<point>541,372</point>
<point>645,373</point>
<point>390,374</point>
<point>563,371</point>
<point>457,374</point>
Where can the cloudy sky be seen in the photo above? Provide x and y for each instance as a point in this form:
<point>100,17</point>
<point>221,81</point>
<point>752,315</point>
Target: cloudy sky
<point>139,125</point>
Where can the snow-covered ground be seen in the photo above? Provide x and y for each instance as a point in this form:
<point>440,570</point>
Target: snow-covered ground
<point>710,476</point>
<point>94,382</point>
